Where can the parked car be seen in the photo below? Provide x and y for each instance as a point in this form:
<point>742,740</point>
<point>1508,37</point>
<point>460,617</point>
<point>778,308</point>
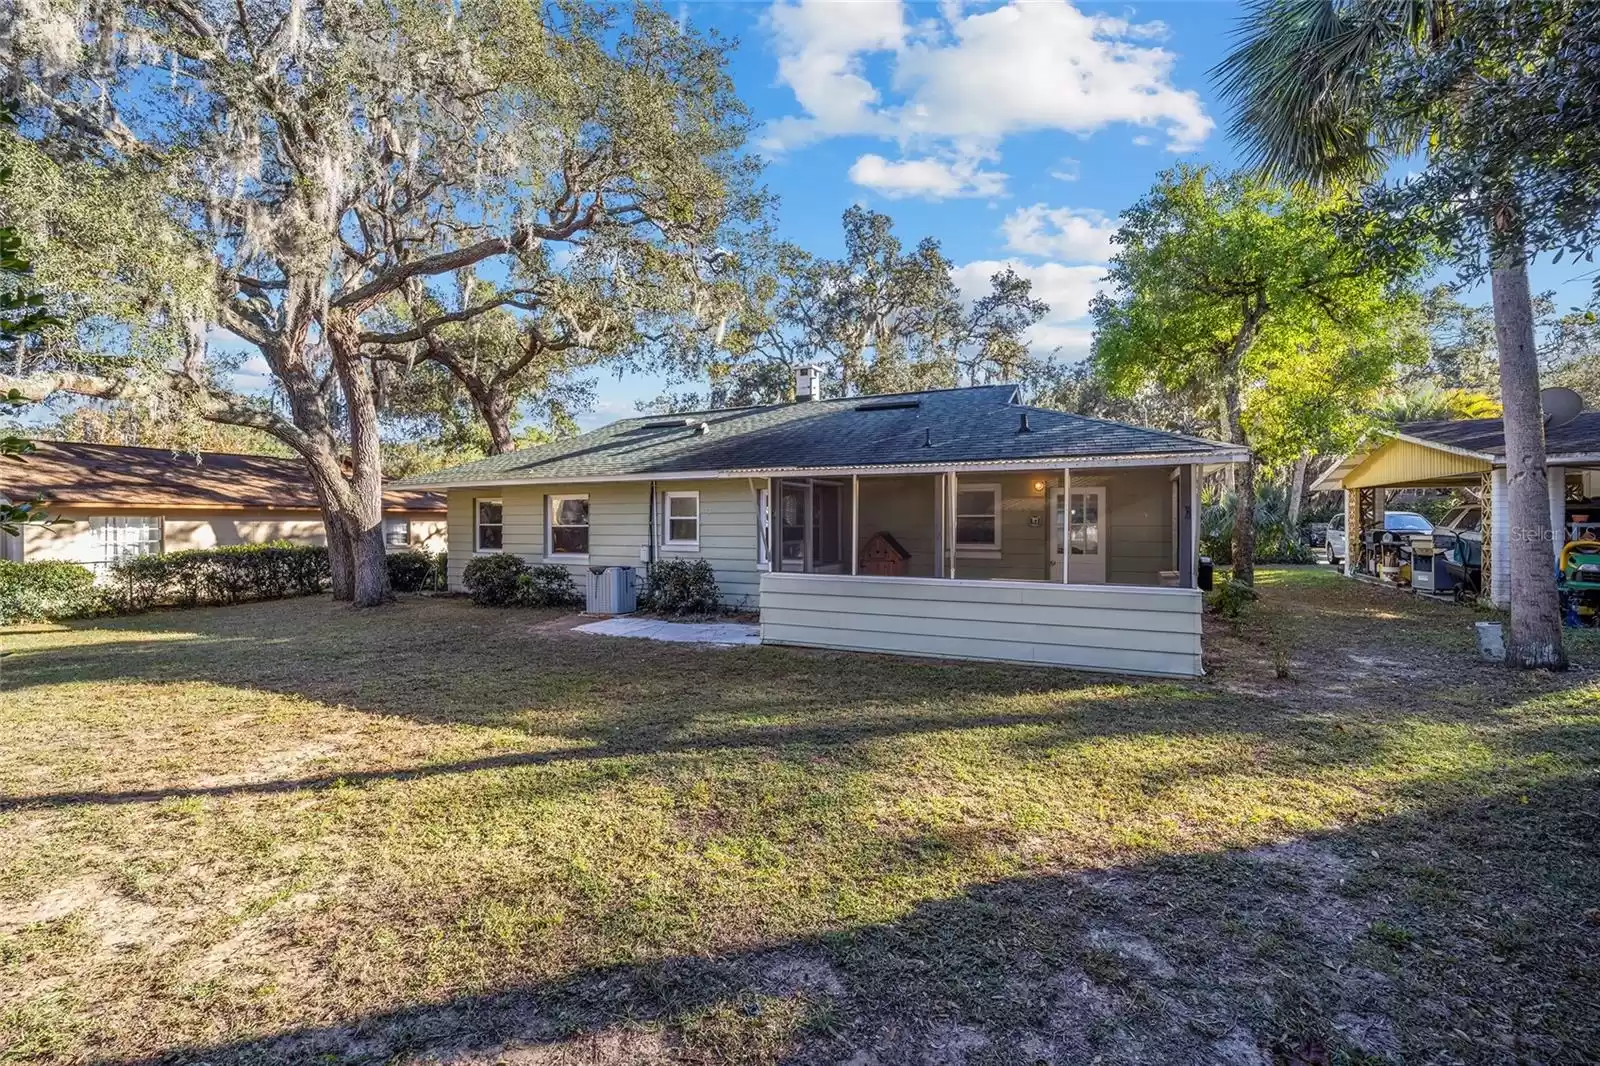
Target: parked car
<point>1334,550</point>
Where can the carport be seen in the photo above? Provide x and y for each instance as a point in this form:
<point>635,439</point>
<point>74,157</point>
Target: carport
<point>1469,454</point>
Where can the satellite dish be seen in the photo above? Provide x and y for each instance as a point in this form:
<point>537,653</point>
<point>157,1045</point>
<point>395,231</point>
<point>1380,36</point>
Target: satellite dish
<point>1560,406</point>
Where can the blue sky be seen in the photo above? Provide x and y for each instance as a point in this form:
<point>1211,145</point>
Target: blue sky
<point>1013,133</point>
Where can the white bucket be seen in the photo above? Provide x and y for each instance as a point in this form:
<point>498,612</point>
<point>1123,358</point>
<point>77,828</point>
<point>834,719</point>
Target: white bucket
<point>1491,642</point>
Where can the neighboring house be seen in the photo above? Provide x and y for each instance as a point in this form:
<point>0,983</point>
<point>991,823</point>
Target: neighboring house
<point>955,523</point>
<point>1470,454</point>
<point>113,501</point>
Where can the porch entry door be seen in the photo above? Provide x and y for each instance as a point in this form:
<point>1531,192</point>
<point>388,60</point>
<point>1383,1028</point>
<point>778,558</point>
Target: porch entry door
<point>1077,535</point>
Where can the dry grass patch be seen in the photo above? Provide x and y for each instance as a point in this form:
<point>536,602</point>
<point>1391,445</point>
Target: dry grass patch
<point>441,833</point>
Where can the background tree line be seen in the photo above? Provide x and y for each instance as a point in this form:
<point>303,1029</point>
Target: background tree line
<point>428,227</point>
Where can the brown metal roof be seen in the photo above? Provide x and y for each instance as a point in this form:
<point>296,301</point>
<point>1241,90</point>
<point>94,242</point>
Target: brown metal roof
<point>71,473</point>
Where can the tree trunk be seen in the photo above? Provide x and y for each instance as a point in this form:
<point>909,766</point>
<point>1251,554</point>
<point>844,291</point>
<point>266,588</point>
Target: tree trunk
<point>1297,493</point>
<point>1244,522</point>
<point>341,555</point>
<point>371,568</point>
<point>496,411</point>
<point>1244,484</point>
<point>364,514</point>
<point>1535,610</point>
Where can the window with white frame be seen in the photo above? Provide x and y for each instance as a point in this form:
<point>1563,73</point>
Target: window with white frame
<point>567,525</point>
<point>681,521</point>
<point>978,518</point>
<point>764,529</point>
<point>125,536</point>
<point>397,532</point>
<point>489,535</point>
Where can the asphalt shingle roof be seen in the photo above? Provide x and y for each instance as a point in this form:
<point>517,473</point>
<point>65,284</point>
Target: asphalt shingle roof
<point>979,424</point>
<point>1487,436</point>
<point>73,473</point>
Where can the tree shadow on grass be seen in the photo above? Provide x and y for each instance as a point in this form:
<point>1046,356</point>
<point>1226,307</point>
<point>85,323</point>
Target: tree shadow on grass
<point>1454,934</point>
<point>588,698</point>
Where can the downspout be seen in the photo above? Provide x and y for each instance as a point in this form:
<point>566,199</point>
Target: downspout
<point>650,533</point>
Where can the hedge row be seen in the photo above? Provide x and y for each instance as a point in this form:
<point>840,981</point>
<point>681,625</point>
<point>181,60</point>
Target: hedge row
<point>203,576</point>
<point>46,591</point>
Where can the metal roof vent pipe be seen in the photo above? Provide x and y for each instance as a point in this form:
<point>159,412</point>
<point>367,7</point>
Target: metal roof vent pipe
<point>807,384</point>
<point>1024,427</point>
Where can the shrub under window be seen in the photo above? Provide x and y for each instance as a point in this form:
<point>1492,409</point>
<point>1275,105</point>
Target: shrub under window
<point>507,581</point>
<point>409,570</point>
<point>680,587</point>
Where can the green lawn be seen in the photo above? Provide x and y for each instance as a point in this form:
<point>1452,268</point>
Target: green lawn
<point>290,832</point>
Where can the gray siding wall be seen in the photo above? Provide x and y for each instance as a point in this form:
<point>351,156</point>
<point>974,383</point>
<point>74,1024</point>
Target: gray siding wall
<point>619,527</point>
<point>1124,630</point>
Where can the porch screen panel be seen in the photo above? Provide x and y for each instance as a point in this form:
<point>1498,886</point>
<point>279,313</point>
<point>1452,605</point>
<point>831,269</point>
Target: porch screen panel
<point>793,518</point>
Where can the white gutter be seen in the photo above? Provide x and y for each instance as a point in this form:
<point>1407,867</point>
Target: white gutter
<point>1019,465</point>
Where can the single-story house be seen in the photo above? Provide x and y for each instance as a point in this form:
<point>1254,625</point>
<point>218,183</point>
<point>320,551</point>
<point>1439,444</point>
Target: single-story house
<point>1470,454</point>
<point>112,501</point>
<point>954,523</point>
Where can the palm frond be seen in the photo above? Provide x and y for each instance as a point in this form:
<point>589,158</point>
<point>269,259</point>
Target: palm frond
<point>1303,81</point>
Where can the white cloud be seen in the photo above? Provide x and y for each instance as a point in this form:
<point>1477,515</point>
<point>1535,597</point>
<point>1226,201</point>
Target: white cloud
<point>1059,233</point>
<point>1066,170</point>
<point>980,77</point>
<point>1067,289</point>
<point>821,50</point>
<point>928,178</point>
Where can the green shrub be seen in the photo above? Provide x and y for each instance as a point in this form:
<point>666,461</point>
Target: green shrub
<point>218,575</point>
<point>549,585</point>
<point>681,586</point>
<point>1276,542</point>
<point>507,581</point>
<point>38,592</point>
<point>409,570</point>
<point>495,580</point>
<point>306,570</point>
<point>1230,598</point>
<point>139,582</point>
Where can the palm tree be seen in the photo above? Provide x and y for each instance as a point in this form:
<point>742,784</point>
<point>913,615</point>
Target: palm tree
<point>1310,106</point>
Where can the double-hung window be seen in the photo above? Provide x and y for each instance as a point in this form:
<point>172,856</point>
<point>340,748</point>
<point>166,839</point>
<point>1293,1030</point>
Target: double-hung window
<point>490,531</point>
<point>978,518</point>
<point>397,533</point>
<point>681,521</point>
<point>567,525</point>
<point>125,536</point>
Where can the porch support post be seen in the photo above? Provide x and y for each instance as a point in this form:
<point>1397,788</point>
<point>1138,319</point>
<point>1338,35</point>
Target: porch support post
<point>774,508</point>
<point>938,525</point>
<point>855,523</point>
<point>1558,509</point>
<point>1186,527</point>
<point>950,519</point>
<point>1066,525</point>
<point>810,524</point>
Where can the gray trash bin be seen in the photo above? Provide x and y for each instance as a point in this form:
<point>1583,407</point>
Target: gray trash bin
<point>611,590</point>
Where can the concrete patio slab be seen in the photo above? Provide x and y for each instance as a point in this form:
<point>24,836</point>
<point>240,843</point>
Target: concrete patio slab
<point>719,634</point>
